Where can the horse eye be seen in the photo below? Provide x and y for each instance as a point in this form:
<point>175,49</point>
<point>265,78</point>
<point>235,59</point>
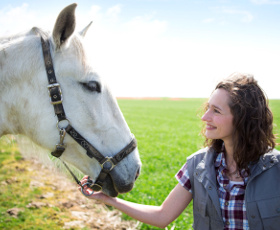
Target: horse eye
<point>92,86</point>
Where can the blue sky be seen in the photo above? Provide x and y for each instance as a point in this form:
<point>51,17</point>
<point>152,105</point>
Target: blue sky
<point>167,48</point>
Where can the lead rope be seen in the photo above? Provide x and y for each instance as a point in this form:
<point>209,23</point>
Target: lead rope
<point>88,183</point>
<point>61,145</point>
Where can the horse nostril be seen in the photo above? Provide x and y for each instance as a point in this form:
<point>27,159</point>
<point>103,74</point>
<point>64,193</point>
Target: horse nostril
<point>137,174</point>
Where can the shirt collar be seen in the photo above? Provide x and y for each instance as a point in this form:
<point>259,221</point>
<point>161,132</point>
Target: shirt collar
<point>220,163</point>
<point>220,160</point>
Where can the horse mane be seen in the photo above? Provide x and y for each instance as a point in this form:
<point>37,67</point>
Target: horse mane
<point>39,31</point>
<point>77,47</point>
<point>34,31</point>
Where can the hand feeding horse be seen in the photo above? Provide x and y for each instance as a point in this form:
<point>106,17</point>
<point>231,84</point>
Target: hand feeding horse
<point>50,93</point>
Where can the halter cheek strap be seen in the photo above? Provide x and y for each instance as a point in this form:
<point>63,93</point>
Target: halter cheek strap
<point>107,163</point>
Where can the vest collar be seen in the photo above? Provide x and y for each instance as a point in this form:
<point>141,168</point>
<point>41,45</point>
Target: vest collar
<point>265,162</point>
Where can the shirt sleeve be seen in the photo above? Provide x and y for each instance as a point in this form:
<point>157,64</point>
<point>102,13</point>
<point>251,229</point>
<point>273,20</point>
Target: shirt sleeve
<point>183,178</point>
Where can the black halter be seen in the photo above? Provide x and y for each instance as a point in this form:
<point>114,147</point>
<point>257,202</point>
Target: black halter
<point>106,163</point>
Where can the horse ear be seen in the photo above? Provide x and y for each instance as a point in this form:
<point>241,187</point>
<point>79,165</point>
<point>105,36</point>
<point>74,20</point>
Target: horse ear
<point>64,25</point>
<point>84,31</point>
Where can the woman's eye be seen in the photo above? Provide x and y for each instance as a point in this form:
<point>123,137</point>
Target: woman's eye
<point>92,86</point>
<point>216,111</point>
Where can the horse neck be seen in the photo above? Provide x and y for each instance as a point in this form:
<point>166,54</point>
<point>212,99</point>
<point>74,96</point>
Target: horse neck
<point>19,59</point>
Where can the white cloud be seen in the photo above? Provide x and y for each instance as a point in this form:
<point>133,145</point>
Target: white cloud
<point>23,18</point>
<point>114,11</point>
<point>95,11</point>
<point>15,19</point>
<point>146,26</point>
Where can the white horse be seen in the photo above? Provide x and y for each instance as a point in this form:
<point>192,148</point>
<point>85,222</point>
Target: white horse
<point>25,106</point>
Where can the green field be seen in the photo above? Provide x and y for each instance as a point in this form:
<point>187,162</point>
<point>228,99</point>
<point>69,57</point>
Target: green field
<point>167,132</point>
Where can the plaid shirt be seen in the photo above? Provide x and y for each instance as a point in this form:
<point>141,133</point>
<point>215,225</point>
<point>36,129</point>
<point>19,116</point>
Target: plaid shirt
<point>231,196</point>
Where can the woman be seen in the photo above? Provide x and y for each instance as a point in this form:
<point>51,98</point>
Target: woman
<point>235,181</point>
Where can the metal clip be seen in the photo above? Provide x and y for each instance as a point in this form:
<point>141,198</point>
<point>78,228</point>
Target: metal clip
<point>62,133</point>
<point>89,184</point>
<point>60,147</point>
<point>82,189</point>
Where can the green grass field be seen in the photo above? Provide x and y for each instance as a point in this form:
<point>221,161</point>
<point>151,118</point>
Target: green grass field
<point>167,132</point>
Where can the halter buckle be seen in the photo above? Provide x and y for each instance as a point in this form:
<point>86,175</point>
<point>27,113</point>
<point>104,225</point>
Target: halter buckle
<point>55,94</point>
<point>108,164</point>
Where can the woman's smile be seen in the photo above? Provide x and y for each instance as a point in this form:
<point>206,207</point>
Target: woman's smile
<point>210,127</point>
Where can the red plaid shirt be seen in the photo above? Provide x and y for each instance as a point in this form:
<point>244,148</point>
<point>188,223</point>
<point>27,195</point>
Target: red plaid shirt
<point>231,196</point>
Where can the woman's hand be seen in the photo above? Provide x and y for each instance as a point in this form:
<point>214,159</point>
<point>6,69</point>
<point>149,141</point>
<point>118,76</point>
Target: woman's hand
<point>159,216</point>
<point>89,193</point>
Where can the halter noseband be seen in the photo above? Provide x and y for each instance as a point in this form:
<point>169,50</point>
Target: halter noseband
<point>107,163</point>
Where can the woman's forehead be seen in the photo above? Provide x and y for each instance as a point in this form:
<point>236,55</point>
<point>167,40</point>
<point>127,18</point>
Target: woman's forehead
<point>219,99</point>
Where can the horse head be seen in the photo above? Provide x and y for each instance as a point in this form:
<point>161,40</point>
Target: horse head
<point>88,102</point>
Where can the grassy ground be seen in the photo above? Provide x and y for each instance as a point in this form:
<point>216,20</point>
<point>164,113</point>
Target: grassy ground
<point>167,132</point>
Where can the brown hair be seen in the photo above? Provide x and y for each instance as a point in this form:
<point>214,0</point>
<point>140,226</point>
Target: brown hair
<point>252,120</point>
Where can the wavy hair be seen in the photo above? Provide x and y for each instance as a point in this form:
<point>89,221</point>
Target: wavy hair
<point>252,120</point>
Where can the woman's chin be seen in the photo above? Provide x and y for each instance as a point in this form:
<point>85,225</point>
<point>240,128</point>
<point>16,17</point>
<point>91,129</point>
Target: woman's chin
<point>210,135</point>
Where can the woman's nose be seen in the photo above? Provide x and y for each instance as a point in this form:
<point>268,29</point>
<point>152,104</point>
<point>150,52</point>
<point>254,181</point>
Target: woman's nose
<point>206,116</point>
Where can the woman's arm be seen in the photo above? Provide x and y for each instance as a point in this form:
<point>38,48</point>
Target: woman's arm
<point>159,216</point>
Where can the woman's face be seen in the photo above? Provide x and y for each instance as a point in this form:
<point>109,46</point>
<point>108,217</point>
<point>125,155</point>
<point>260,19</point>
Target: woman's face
<point>218,117</point>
